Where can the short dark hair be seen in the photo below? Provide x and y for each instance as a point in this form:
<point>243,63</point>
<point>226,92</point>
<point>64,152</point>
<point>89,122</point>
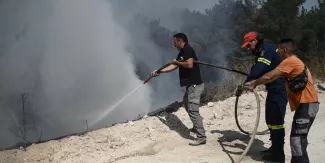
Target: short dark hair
<point>181,36</point>
<point>286,40</point>
<point>288,43</point>
<point>260,39</point>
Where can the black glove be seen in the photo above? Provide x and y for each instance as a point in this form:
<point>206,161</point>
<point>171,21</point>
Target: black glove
<point>239,90</point>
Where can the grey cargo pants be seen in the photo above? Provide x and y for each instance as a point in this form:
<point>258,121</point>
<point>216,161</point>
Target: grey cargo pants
<point>191,101</point>
<point>302,121</point>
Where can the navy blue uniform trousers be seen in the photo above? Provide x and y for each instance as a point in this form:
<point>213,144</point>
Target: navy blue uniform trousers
<point>275,109</point>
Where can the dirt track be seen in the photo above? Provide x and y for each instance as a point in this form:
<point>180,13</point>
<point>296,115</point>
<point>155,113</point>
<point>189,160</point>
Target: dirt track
<point>165,139</point>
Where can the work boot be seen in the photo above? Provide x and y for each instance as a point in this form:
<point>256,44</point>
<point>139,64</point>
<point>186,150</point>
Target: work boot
<point>274,158</point>
<point>197,142</point>
<point>276,154</point>
<point>267,151</point>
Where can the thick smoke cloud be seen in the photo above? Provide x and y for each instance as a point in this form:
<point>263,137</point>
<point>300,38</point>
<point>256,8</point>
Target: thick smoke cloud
<point>167,11</point>
<point>146,53</point>
<point>71,61</point>
<point>70,58</point>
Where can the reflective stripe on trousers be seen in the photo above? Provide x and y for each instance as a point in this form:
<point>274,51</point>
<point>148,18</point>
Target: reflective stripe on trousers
<point>275,127</point>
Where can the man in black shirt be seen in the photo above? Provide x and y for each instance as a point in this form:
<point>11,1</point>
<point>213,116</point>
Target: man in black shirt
<point>190,78</point>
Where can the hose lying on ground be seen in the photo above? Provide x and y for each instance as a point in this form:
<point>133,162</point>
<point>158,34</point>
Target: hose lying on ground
<point>251,134</point>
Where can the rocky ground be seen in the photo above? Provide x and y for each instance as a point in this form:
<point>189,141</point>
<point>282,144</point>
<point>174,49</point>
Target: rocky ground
<point>165,138</point>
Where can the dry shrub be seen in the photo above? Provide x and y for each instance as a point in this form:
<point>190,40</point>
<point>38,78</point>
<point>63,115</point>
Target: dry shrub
<point>317,69</point>
<point>222,90</point>
<point>216,91</point>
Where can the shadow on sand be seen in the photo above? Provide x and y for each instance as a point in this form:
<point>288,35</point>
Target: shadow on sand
<point>227,143</point>
<point>171,120</point>
<point>175,124</point>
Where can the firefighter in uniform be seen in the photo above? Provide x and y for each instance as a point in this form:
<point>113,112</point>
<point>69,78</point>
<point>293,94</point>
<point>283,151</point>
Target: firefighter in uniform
<point>267,59</point>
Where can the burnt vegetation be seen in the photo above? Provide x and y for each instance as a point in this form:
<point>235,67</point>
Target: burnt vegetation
<point>25,127</point>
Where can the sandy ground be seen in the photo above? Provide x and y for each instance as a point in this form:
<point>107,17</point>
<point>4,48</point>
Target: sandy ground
<point>165,139</point>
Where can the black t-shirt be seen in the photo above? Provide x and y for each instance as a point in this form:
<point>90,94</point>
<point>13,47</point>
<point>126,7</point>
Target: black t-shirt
<point>192,76</point>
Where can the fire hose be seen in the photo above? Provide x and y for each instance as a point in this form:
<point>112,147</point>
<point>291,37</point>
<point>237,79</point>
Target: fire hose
<point>238,94</point>
<point>251,133</point>
<point>254,132</point>
<point>258,114</point>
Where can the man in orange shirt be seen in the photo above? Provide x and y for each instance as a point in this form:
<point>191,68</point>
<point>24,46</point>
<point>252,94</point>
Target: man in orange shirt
<point>302,97</point>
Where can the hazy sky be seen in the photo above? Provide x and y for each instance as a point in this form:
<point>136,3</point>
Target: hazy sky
<point>310,3</point>
<point>198,5</point>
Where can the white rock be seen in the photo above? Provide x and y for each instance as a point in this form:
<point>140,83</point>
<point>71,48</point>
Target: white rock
<point>150,129</point>
<point>145,116</point>
<point>248,106</point>
<point>215,115</point>
<point>131,123</point>
<point>223,117</point>
<point>22,148</point>
<point>210,104</point>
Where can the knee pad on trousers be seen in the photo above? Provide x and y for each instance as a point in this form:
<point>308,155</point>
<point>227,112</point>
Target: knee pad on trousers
<point>296,146</point>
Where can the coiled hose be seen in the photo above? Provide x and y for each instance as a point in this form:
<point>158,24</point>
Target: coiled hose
<point>238,124</point>
<point>254,132</point>
<point>258,114</point>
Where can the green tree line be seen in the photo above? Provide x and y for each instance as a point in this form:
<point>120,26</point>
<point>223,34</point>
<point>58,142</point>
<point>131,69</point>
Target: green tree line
<point>218,33</point>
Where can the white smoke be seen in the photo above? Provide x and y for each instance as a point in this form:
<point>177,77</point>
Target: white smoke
<point>74,59</point>
<point>167,11</point>
<point>70,57</point>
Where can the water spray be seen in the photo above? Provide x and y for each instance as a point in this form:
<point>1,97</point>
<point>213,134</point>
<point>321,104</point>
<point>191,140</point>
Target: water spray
<point>113,107</point>
<point>251,133</point>
<point>158,71</point>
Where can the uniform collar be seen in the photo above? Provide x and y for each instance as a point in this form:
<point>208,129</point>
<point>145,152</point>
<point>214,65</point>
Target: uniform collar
<point>261,46</point>
<point>259,49</point>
